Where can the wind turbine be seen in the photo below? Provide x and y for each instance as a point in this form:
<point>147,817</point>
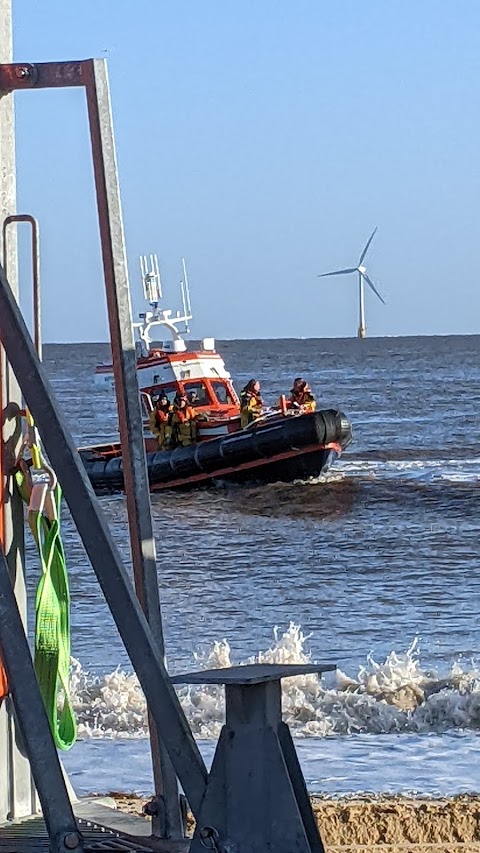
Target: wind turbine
<point>362,277</point>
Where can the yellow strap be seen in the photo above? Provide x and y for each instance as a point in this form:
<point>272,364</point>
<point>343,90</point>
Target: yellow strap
<point>34,448</point>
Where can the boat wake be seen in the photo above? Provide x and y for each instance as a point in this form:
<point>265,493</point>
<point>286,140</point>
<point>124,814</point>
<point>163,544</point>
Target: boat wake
<point>397,695</point>
<point>425,468</point>
<point>360,484</point>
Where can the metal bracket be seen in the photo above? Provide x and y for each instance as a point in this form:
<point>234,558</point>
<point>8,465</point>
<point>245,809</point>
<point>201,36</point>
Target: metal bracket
<point>37,305</point>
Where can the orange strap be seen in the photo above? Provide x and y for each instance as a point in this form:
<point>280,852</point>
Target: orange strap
<point>3,674</point>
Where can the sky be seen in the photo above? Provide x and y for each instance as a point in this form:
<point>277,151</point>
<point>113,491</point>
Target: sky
<point>263,140</point>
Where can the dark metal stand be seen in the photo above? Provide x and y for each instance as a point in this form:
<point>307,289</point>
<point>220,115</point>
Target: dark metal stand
<point>256,798</point>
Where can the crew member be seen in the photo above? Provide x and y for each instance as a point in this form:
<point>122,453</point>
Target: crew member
<point>183,422</point>
<point>301,396</point>
<point>160,420</point>
<point>251,403</point>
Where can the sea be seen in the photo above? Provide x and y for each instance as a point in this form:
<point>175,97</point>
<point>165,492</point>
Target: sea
<point>374,567</point>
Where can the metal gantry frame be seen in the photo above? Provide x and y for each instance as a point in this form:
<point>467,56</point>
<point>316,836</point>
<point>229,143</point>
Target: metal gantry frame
<point>92,76</point>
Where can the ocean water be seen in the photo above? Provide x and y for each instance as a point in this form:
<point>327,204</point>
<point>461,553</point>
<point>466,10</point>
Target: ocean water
<point>376,569</point>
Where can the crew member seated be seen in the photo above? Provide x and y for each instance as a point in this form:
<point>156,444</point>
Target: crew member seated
<point>183,422</point>
<point>159,420</point>
<point>301,396</point>
<point>251,403</point>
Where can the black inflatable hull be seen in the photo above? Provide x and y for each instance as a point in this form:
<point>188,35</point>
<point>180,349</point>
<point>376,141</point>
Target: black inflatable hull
<point>281,449</point>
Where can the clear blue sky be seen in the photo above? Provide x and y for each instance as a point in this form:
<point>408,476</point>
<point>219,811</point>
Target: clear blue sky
<point>263,140</point>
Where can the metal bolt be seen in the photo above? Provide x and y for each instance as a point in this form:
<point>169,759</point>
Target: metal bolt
<point>71,840</point>
<point>209,838</point>
<point>22,72</point>
<point>151,808</point>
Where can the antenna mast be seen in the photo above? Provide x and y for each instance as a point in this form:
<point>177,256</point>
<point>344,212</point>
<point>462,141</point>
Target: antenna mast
<point>152,285</point>
<point>152,289</point>
<point>187,308</point>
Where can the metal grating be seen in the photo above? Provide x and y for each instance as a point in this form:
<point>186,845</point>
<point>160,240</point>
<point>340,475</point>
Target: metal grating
<point>30,836</point>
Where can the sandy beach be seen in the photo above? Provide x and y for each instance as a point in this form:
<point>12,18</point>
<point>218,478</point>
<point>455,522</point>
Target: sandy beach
<point>392,823</point>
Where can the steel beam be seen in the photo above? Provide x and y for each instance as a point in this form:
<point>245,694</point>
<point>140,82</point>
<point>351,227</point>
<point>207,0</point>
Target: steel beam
<point>102,552</point>
<point>167,822</point>
<point>32,722</point>
<point>41,75</point>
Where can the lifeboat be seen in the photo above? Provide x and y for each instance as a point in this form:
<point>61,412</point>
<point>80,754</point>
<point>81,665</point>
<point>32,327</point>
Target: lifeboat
<point>283,444</point>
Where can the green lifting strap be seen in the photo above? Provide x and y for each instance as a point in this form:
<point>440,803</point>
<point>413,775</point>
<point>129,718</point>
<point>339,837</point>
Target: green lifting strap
<point>52,622</point>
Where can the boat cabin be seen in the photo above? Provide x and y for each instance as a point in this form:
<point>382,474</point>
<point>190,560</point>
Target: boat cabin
<point>169,367</point>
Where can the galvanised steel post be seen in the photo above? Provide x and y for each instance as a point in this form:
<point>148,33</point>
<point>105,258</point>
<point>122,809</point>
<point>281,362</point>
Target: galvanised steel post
<point>167,822</point>
<point>16,790</point>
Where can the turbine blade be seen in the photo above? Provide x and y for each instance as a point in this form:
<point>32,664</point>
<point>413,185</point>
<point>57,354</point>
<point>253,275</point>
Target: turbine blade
<point>372,235</point>
<point>337,272</point>
<point>370,282</point>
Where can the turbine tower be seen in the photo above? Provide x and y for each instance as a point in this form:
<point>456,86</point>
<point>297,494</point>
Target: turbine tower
<point>362,277</point>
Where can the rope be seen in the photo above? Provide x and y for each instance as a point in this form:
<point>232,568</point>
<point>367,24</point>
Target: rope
<point>40,490</point>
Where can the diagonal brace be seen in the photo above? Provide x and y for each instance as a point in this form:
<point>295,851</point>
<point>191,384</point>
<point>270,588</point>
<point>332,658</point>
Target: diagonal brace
<point>101,549</point>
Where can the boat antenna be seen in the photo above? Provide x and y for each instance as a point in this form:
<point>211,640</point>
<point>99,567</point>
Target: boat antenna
<point>187,307</point>
<point>152,285</point>
<point>152,289</point>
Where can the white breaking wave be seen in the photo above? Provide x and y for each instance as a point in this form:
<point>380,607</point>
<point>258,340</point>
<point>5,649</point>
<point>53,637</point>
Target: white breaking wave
<point>394,696</point>
<point>450,470</point>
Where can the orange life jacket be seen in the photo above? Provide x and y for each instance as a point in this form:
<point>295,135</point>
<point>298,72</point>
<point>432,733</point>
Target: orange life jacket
<point>161,416</point>
<point>184,426</point>
<point>186,414</point>
<point>303,398</point>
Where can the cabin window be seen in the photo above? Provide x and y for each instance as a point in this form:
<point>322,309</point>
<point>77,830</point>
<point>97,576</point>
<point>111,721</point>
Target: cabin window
<point>222,393</point>
<point>169,390</point>
<point>197,393</point>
